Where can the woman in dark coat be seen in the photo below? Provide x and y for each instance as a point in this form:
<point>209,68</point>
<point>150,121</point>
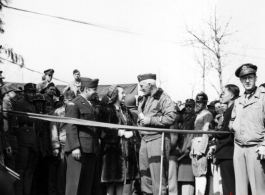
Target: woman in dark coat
<point>185,175</point>
<point>119,164</point>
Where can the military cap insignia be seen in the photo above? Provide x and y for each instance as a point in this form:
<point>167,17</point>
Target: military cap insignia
<point>244,67</point>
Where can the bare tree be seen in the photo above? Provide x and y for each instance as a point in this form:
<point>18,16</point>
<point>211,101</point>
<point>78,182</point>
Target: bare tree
<point>202,61</point>
<point>212,40</point>
<point>1,21</point>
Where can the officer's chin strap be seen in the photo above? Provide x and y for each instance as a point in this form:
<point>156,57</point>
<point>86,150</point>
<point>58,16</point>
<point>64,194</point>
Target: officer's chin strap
<point>161,164</point>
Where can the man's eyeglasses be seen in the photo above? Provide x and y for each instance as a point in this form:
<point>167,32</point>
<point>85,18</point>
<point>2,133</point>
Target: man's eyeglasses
<point>250,78</point>
<point>188,106</point>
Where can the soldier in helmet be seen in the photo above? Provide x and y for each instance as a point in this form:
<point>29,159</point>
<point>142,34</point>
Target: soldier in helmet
<point>57,168</point>
<point>130,102</point>
<point>26,136</point>
<point>199,146</point>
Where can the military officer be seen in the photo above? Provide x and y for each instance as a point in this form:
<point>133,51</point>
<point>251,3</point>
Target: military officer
<point>47,78</point>
<point>248,126</point>
<point>81,147</point>
<point>156,110</point>
<point>27,155</point>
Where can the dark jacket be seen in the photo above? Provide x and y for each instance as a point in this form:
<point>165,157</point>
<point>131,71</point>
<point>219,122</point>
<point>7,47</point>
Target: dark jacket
<point>225,143</point>
<point>8,126</point>
<point>161,110</point>
<point>118,153</point>
<point>26,135</point>
<point>77,136</point>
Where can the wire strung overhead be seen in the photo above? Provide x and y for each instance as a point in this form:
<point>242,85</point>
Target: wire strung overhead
<point>30,69</point>
<point>102,26</point>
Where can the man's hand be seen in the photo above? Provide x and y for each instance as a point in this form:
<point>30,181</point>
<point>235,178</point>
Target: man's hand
<point>55,152</point>
<point>76,153</point>
<point>146,121</point>
<point>210,152</point>
<point>261,152</point>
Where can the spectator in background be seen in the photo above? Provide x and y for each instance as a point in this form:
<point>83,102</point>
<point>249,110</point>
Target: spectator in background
<point>27,144</point>
<point>130,103</point>
<point>200,143</point>
<point>57,168</point>
<point>46,80</point>
<point>225,144</point>
<point>185,175</point>
<point>74,85</point>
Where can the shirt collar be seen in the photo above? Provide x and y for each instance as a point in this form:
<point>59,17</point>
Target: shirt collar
<point>86,99</point>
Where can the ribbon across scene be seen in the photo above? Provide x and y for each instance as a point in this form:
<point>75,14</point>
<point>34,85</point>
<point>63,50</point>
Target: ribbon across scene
<point>105,125</point>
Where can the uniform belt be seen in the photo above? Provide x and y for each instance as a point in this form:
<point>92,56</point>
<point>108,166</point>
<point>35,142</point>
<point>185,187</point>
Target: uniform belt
<point>26,124</point>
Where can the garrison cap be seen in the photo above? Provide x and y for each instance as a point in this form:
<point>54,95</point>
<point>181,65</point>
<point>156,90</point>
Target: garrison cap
<point>30,87</point>
<point>90,83</point>
<point>142,77</point>
<point>246,69</point>
<point>76,71</point>
<point>49,72</point>
<point>190,102</point>
<point>9,87</point>
<point>68,95</point>
<point>130,101</point>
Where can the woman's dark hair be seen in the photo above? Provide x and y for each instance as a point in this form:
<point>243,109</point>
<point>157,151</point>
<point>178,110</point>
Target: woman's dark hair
<point>234,90</point>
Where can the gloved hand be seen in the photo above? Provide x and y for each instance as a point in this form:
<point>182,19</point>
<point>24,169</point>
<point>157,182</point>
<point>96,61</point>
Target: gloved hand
<point>121,132</point>
<point>128,134</point>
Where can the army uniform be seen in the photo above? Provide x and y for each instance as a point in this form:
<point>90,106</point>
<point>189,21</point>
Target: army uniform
<point>248,125</point>
<point>26,159</point>
<point>82,176</point>
<point>160,109</point>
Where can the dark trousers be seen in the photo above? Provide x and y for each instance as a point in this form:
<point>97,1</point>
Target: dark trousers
<point>228,176</point>
<point>26,162</point>
<point>57,174</point>
<point>83,176</point>
<point>10,161</point>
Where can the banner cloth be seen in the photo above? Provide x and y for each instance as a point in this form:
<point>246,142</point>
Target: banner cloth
<point>105,125</point>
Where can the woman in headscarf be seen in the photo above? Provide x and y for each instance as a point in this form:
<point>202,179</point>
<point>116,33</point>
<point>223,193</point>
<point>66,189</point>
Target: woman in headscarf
<point>119,164</point>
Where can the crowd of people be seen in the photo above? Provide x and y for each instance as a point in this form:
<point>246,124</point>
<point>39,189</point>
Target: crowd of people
<point>55,158</point>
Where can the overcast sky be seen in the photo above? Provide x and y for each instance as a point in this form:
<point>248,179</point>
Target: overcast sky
<point>128,38</point>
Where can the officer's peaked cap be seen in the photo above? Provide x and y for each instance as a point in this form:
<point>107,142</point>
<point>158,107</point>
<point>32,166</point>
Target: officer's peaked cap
<point>246,69</point>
